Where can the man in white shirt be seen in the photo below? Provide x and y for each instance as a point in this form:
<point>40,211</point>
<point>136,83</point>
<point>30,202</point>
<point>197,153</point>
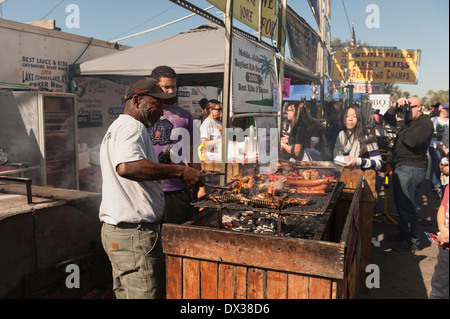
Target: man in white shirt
<point>132,194</point>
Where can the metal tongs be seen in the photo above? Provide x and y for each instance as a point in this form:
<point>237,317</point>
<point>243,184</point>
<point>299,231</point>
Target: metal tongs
<point>211,173</point>
<point>228,188</point>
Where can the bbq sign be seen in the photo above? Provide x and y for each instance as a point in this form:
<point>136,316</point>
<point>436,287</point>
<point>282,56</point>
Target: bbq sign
<point>254,75</point>
<point>377,65</point>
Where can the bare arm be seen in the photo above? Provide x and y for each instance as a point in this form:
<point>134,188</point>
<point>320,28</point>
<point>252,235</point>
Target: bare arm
<point>197,166</point>
<point>295,149</point>
<point>443,237</point>
<point>144,170</point>
<point>212,143</point>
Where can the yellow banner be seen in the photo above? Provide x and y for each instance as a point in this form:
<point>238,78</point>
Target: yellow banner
<point>377,65</point>
<point>247,12</point>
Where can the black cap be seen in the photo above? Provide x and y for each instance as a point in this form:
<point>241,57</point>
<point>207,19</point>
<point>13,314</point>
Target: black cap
<point>148,86</point>
<point>436,105</point>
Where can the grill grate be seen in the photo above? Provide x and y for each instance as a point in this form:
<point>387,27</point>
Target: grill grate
<point>317,206</point>
<point>253,216</point>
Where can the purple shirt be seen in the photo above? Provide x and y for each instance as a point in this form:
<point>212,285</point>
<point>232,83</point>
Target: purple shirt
<point>174,117</point>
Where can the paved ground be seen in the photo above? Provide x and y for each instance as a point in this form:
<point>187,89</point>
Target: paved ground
<point>404,275</point>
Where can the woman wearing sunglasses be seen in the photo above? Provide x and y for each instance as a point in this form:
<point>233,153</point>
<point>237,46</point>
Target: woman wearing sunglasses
<point>211,128</point>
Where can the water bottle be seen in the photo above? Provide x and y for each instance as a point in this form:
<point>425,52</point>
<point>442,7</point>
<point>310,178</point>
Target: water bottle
<point>202,150</point>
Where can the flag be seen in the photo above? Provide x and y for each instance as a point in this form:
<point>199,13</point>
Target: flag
<point>353,41</point>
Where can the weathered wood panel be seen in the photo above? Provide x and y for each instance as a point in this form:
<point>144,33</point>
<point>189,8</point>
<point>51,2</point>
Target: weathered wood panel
<point>209,275</point>
<point>173,277</point>
<point>320,288</point>
<point>191,276</point>
<point>241,282</point>
<point>256,283</point>
<point>277,253</point>
<point>298,287</point>
<point>276,285</point>
<point>227,281</point>
<point>213,263</point>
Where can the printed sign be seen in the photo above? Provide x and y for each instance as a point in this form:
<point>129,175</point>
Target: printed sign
<point>41,72</point>
<point>254,74</point>
<point>189,97</point>
<point>99,104</point>
<point>367,88</point>
<point>247,12</point>
<point>377,65</point>
<point>380,102</point>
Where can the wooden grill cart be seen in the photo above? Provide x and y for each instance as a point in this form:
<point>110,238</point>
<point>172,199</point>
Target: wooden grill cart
<point>209,263</point>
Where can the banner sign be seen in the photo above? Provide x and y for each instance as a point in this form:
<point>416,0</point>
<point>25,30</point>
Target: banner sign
<point>315,8</point>
<point>253,75</point>
<point>286,87</point>
<point>377,65</point>
<point>303,41</point>
<point>247,12</point>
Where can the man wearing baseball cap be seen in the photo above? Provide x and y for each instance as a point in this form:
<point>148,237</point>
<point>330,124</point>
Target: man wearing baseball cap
<point>414,132</point>
<point>132,194</point>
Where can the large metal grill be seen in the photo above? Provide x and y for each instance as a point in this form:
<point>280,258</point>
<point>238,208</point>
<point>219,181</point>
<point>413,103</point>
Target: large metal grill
<point>298,221</point>
<point>317,205</point>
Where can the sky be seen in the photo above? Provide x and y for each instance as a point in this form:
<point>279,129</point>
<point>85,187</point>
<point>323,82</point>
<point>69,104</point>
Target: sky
<point>405,24</point>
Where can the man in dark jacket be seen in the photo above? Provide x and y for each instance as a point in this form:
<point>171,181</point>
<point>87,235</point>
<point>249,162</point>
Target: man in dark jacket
<point>414,132</point>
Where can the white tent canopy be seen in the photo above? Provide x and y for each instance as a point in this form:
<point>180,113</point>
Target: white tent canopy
<point>197,51</point>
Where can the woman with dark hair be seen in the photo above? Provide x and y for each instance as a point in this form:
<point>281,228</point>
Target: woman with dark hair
<point>356,143</point>
<point>290,143</point>
<point>333,112</point>
<point>305,135</point>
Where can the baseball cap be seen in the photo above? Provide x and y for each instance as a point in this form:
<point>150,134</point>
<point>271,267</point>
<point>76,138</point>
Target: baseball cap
<point>414,101</point>
<point>148,86</point>
<point>443,106</point>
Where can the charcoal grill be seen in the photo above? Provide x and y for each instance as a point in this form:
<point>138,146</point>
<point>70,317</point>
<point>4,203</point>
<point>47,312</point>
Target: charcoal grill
<point>293,221</point>
<point>317,206</point>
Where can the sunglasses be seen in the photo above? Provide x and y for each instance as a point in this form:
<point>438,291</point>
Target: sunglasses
<point>218,109</point>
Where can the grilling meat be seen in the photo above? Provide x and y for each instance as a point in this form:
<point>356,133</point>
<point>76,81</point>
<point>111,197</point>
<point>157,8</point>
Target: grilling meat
<point>266,200</point>
<point>232,198</point>
<point>311,192</point>
<point>311,174</point>
<point>263,196</point>
<point>262,190</point>
<point>297,201</point>
<point>312,189</point>
<point>307,183</point>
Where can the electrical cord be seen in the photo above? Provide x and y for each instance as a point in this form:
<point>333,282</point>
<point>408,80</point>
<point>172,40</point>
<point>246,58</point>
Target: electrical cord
<point>51,10</point>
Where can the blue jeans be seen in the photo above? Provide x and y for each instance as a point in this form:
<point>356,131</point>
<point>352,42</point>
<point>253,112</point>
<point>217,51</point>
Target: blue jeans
<point>439,281</point>
<point>407,180</point>
<point>435,169</point>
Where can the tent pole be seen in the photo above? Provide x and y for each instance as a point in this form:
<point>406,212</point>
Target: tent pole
<point>226,89</point>
<point>281,46</point>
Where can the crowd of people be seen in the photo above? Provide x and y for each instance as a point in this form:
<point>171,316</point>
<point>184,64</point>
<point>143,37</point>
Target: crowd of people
<point>142,188</point>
